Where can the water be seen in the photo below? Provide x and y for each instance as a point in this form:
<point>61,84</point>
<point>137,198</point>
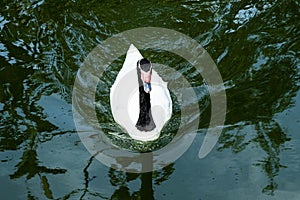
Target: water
<point>255,45</point>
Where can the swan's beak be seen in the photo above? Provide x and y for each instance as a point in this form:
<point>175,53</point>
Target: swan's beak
<point>146,78</point>
<point>147,87</point>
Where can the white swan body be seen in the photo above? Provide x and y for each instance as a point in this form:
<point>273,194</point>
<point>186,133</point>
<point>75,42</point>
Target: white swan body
<point>124,99</point>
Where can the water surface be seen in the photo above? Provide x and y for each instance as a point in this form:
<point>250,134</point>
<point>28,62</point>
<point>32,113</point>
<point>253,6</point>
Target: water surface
<point>255,45</point>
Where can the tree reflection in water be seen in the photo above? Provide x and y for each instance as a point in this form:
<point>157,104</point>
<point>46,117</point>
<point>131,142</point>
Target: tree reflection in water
<point>271,139</point>
<point>25,77</point>
<point>268,87</point>
<point>265,86</point>
<point>23,123</point>
<point>22,126</point>
<point>121,179</point>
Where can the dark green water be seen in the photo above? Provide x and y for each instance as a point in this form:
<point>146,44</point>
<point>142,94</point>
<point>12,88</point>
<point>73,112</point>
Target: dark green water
<point>255,45</point>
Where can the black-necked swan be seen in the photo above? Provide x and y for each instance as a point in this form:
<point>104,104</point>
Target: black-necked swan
<point>141,108</point>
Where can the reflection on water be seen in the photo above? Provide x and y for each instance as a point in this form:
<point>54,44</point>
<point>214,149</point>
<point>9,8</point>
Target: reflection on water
<point>255,45</point>
<point>122,179</point>
<point>269,137</point>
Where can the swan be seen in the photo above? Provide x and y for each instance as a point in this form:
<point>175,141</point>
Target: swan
<point>139,98</point>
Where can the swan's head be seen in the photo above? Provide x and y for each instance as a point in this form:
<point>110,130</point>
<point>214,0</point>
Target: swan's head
<point>145,68</point>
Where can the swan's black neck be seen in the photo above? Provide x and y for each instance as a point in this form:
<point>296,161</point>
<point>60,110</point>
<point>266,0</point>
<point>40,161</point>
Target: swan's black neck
<point>145,121</point>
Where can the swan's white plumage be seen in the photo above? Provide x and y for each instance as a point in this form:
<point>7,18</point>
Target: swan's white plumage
<point>124,99</point>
